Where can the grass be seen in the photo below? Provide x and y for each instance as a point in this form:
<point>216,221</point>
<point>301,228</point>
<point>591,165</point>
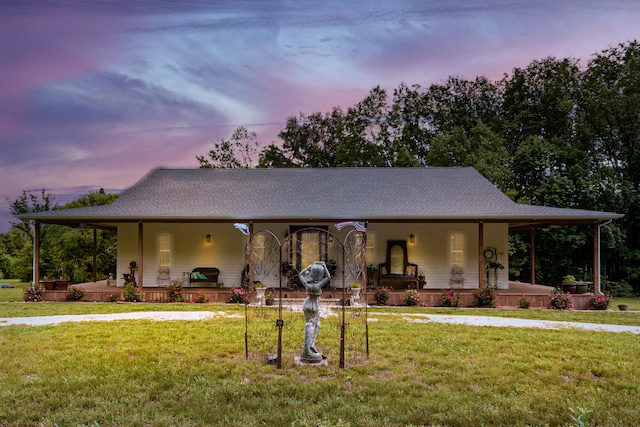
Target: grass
<point>196,374</point>
<point>11,294</point>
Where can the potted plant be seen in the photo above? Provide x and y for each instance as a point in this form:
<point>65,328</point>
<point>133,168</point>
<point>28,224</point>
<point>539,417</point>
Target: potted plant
<point>269,298</point>
<point>356,288</point>
<point>569,284</point>
<point>581,287</point>
<point>49,285</point>
<point>261,288</point>
<point>422,280</point>
<point>372,273</point>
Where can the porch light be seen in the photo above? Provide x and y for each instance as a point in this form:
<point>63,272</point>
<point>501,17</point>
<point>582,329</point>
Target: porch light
<point>208,238</point>
<point>412,238</point>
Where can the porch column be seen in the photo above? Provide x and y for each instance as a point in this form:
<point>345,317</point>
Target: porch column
<point>481,255</point>
<point>36,253</point>
<point>363,266</point>
<point>251,256</point>
<point>95,254</point>
<point>140,258</point>
<point>533,256</point>
<point>596,258</point>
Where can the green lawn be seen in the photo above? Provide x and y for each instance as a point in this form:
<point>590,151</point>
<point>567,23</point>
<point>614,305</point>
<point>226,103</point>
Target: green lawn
<point>195,373</point>
<point>11,294</point>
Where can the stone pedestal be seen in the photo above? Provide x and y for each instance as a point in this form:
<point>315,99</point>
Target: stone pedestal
<point>355,297</point>
<point>260,295</point>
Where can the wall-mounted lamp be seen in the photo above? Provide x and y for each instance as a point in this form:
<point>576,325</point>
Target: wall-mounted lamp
<point>208,238</point>
<point>546,227</point>
<point>412,238</point>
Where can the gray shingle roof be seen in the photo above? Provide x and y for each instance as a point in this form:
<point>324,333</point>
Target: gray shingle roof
<point>374,194</point>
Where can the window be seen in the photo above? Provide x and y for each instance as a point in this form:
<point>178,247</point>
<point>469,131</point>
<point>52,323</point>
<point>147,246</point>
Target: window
<point>258,247</point>
<point>308,246</point>
<point>457,249</point>
<point>164,250</point>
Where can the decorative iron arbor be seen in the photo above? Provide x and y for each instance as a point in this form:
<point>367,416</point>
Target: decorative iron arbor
<point>277,264</point>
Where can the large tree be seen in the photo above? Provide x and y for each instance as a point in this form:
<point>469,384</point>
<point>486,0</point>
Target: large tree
<point>610,105</point>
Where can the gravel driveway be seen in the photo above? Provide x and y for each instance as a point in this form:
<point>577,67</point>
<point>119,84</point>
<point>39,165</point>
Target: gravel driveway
<point>417,317</point>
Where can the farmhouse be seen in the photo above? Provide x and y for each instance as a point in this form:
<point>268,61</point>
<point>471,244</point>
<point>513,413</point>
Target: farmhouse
<point>430,228</point>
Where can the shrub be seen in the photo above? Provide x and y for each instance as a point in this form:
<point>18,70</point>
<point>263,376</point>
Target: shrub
<point>560,300</point>
<point>113,297</point>
<point>131,293</point>
<point>238,295</point>
<point>600,302</point>
<point>33,293</point>
<point>524,303</point>
<point>201,298</point>
<point>618,289</point>
<point>411,297</point>
<point>450,299</point>
<point>381,296</point>
<point>174,291</point>
<point>486,297</point>
<point>74,294</point>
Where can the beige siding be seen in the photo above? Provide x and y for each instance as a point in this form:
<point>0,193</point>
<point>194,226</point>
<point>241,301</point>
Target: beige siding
<point>431,250</point>
<point>189,250</point>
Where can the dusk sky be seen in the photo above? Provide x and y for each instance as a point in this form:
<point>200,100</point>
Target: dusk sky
<point>97,93</point>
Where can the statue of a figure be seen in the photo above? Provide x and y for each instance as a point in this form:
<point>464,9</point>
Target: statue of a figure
<point>314,277</point>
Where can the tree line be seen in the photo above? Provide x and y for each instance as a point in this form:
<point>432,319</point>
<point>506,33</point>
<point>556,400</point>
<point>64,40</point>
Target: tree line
<point>65,251</point>
<point>555,133</point>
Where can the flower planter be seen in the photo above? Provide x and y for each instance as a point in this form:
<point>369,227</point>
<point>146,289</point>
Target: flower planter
<point>623,307</point>
<point>49,285</point>
<point>569,288</point>
<point>62,285</point>
<point>355,297</point>
<point>581,288</point>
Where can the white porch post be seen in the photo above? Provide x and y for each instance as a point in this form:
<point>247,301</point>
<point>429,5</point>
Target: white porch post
<point>533,256</point>
<point>596,258</point>
<point>36,253</point>
<point>481,255</point>
<point>140,258</point>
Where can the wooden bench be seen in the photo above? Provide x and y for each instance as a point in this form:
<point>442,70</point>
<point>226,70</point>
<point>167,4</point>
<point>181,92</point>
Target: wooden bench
<point>204,277</point>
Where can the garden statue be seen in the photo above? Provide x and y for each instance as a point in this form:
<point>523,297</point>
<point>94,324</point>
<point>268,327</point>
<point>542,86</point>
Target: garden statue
<point>314,277</point>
